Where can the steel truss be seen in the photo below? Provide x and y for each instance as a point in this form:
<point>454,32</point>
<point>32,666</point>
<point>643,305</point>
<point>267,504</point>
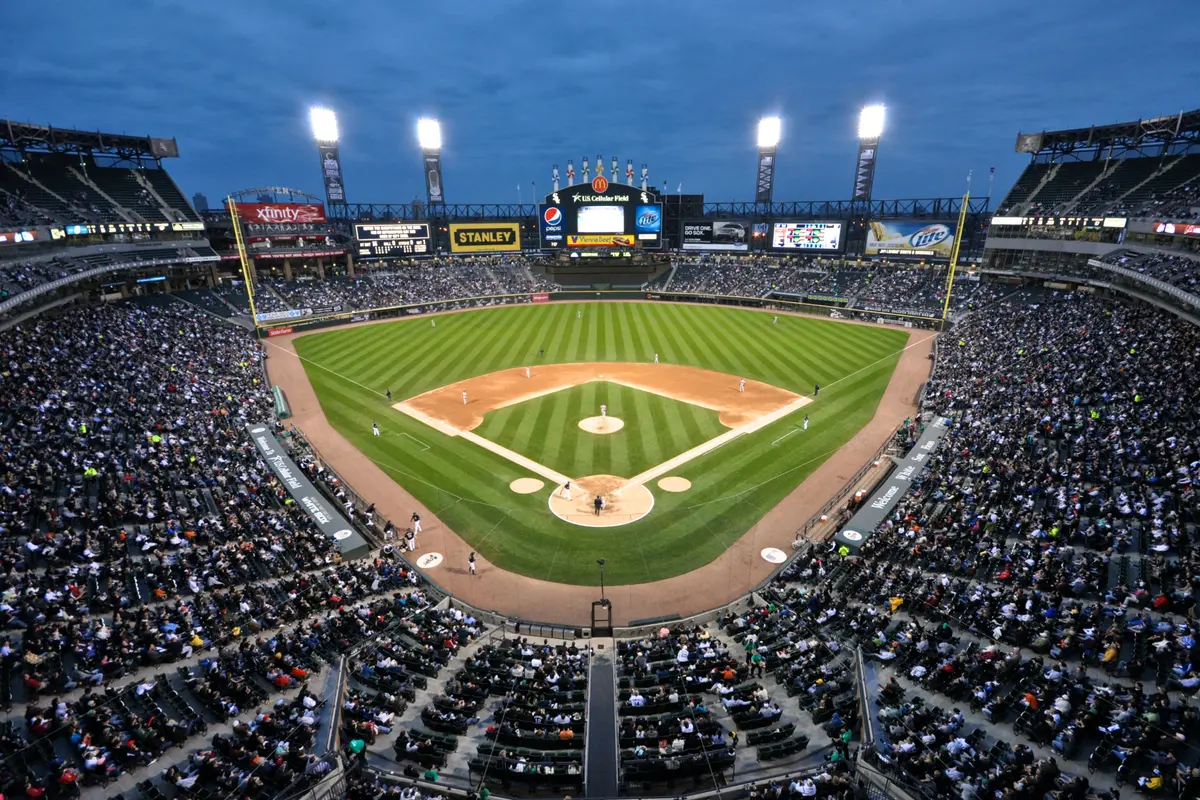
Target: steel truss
<point>936,207</point>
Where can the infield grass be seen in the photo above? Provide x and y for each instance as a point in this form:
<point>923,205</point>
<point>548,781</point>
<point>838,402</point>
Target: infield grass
<point>656,429</point>
<point>467,486</point>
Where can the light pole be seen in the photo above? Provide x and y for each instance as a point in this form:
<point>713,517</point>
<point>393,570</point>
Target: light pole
<point>769,131</point>
<point>429,137</point>
<point>870,131</point>
<point>325,130</point>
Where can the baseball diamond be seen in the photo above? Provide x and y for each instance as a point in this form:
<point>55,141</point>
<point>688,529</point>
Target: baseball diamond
<point>683,418</point>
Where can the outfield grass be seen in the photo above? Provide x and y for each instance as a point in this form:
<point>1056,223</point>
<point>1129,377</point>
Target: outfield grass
<point>467,486</point>
<point>546,429</point>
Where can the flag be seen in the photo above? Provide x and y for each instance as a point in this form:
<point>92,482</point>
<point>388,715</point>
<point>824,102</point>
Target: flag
<point>679,189</point>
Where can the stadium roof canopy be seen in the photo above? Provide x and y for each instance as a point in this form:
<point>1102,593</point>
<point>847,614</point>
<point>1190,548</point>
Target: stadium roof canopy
<point>1176,133</point>
<point>44,139</point>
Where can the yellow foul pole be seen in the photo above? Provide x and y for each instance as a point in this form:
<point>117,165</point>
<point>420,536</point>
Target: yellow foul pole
<point>245,259</point>
<point>962,221</point>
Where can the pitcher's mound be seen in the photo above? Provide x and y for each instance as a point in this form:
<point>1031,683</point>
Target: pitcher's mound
<point>630,505</point>
<point>526,485</point>
<point>602,424</point>
<point>674,484</point>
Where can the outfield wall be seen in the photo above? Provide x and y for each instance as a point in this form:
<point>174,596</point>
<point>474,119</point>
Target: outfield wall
<point>585,295</point>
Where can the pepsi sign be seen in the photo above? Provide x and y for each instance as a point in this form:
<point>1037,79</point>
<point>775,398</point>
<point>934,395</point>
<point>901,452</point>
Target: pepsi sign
<point>551,225</point>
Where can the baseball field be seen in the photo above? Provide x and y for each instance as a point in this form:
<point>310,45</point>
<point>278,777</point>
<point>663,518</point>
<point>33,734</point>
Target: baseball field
<point>492,411</point>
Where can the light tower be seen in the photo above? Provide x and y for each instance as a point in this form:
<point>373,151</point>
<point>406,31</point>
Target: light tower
<point>325,131</point>
<point>429,136</point>
<point>769,130</point>
<point>870,130</point>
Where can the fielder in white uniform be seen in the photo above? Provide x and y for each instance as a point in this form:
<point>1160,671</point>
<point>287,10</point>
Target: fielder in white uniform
<point>567,490</point>
<point>464,398</point>
<point>603,410</point>
<point>806,422</point>
<point>433,323</point>
<point>742,385</point>
<point>527,372</point>
<point>656,358</point>
<point>375,429</point>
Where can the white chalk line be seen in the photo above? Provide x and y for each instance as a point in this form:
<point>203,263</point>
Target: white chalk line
<point>415,439</point>
<point>781,438</point>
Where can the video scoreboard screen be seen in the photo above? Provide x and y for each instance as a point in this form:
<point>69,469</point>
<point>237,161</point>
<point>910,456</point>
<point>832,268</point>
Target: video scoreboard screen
<point>392,239</point>
<point>820,236</point>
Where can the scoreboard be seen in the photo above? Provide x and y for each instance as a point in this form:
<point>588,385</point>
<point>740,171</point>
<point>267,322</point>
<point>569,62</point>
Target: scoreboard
<point>599,214</point>
<point>819,236</point>
<point>392,239</point>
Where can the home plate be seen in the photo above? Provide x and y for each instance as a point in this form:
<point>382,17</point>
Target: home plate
<point>774,555</point>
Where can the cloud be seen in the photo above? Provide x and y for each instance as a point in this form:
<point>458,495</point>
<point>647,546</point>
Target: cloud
<point>521,85</point>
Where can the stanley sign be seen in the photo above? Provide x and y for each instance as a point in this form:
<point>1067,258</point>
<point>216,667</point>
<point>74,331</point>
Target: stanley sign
<point>485,237</point>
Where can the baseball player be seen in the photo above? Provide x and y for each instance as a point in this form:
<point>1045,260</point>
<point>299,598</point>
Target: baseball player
<point>389,394</point>
<point>433,323</point>
<point>816,389</point>
<point>567,490</point>
<point>464,398</point>
<point>410,540</point>
<point>805,422</point>
<point>375,429</point>
<point>471,563</point>
<point>656,358</point>
<point>603,410</point>
<point>742,385</point>
<point>579,314</point>
<point>416,522</point>
<point>527,372</point>
<point>776,320</point>
<point>541,352</point>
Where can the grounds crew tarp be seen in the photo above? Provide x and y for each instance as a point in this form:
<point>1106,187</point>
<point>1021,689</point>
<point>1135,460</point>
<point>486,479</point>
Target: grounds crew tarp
<point>872,513</point>
<point>350,542</point>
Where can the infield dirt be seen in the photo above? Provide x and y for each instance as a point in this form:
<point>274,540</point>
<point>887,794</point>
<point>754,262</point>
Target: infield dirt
<point>701,387</point>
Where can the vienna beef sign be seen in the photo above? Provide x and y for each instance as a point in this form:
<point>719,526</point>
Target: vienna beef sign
<point>276,213</point>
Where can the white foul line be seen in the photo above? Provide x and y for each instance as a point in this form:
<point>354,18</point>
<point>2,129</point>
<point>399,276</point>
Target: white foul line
<point>415,439</point>
<point>781,438</point>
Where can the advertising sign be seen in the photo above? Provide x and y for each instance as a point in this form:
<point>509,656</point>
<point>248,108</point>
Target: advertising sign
<point>281,212</point>
<point>433,178</point>
<point>1168,228</point>
<point>540,297</point>
<point>18,237</point>
<point>280,331</point>
<point>917,239</point>
<point>384,239</point>
<point>819,236</point>
<point>600,240</point>
<point>331,172</point>
<point>716,234</point>
<point>485,237</point>
<point>327,517</point>
<point>551,226</point>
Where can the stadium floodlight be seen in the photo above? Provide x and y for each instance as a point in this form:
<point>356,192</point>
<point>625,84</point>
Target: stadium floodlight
<point>870,122</point>
<point>429,134</point>
<point>769,129</point>
<point>324,124</point>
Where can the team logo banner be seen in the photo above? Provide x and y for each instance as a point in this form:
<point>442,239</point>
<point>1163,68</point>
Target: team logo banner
<point>331,172</point>
<point>485,237</point>
<point>275,213</point>
<point>920,239</point>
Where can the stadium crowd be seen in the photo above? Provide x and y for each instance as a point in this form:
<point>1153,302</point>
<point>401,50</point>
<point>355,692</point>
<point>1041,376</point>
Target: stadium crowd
<point>1176,269</point>
<point>1041,571</point>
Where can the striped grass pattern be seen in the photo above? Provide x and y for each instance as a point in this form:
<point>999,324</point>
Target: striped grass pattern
<point>467,487</point>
